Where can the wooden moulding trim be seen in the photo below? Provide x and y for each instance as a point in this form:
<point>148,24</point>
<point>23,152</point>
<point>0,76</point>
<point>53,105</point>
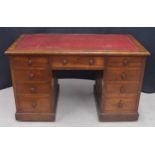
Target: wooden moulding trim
<point>94,53</point>
<point>139,44</point>
<point>12,47</point>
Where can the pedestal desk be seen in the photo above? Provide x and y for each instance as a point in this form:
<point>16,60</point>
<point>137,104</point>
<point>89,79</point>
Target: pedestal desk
<point>119,60</point>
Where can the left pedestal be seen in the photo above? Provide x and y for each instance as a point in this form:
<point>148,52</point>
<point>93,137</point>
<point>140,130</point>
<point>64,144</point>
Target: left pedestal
<point>35,88</point>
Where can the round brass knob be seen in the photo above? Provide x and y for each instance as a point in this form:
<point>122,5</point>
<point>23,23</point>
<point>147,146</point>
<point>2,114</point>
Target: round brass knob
<point>34,105</point>
<point>120,104</point>
<point>122,89</point>
<point>64,61</point>
<point>29,61</point>
<point>125,62</point>
<point>91,61</point>
<point>123,76</point>
<point>33,90</point>
<point>31,75</point>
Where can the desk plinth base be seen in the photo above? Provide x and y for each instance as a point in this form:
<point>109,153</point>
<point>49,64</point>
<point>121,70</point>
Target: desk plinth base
<point>112,117</point>
<point>35,117</point>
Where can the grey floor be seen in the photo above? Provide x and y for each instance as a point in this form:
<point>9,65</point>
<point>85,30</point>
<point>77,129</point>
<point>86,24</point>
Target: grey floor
<point>76,107</point>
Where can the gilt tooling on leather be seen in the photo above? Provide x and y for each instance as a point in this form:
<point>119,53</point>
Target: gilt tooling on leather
<point>77,42</point>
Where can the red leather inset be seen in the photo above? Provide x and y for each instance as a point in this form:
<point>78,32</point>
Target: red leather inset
<point>76,42</point>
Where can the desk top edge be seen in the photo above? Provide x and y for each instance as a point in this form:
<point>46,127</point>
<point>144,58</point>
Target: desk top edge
<point>141,51</point>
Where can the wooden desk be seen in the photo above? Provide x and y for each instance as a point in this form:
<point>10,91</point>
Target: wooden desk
<point>119,60</point>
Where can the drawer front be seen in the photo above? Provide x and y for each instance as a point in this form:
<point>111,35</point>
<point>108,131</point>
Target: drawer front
<point>120,105</point>
<point>31,75</point>
<point>34,104</point>
<point>121,88</point>
<point>29,61</point>
<point>122,74</point>
<point>64,62</point>
<point>125,61</point>
<point>33,88</point>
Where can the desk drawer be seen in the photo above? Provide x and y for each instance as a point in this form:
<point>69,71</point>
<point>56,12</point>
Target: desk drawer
<point>34,104</point>
<point>120,105</point>
<point>122,74</point>
<point>121,88</point>
<point>33,88</point>
<point>29,61</point>
<point>125,61</point>
<point>31,75</point>
<point>77,62</point>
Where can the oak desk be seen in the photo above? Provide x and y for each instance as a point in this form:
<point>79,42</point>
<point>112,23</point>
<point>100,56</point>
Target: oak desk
<point>119,60</point>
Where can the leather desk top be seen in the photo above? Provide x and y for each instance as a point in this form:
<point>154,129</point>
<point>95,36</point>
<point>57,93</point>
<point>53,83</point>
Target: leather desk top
<point>77,44</point>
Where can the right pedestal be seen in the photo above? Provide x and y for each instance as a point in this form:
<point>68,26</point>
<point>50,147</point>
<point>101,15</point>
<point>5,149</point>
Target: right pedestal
<point>117,89</point>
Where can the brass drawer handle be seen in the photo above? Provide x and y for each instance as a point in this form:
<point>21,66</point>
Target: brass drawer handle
<point>33,90</point>
<point>122,89</point>
<point>120,104</point>
<point>125,62</point>
<point>34,105</point>
<point>31,76</point>
<point>64,61</point>
<point>123,76</point>
<point>91,62</point>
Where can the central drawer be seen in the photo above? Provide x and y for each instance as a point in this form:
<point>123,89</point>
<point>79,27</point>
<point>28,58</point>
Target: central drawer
<point>77,62</point>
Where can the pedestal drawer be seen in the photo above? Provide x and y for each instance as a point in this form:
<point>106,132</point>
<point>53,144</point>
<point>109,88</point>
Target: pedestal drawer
<point>121,88</point>
<point>122,74</point>
<point>31,75</point>
<point>32,104</point>
<point>29,61</point>
<point>120,105</point>
<point>126,61</point>
<point>33,88</point>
